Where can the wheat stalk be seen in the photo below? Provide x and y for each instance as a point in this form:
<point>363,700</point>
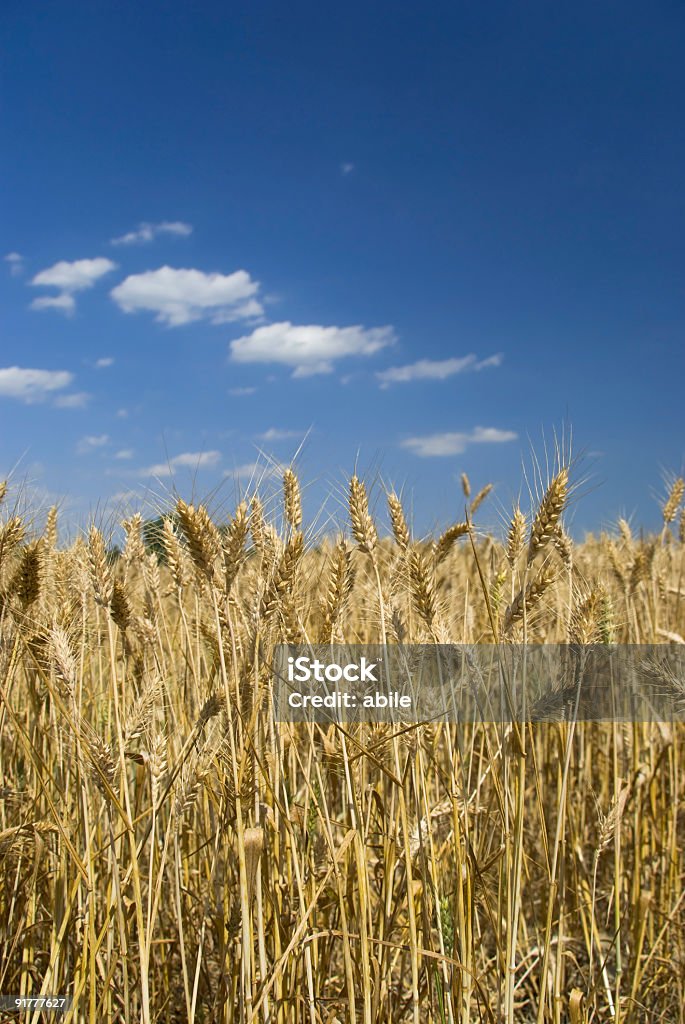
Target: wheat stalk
<point>363,527</point>
<point>447,540</point>
<point>527,598</point>
<point>547,516</point>
<point>399,523</point>
<point>292,499</point>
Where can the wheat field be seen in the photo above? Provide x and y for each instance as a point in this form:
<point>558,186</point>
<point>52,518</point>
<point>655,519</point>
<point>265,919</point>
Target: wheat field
<point>168,852</point>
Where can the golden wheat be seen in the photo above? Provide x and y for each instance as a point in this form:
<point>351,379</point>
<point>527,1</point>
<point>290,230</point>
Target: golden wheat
<point>169,852</point>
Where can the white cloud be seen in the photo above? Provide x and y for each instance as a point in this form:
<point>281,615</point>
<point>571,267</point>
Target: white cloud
<point>309,349</point>
<point>104,363</point>
<point>75,276</point>
<point>32,385</point>
<point>491,435</point>
<point>346,168</point>
<point>273,434</point>
<point>241,392</point>
<point>182,296</point>
<point>125,496</point>
<point>254,471</point>
<point>124,453</point>
<point>434,369</point>
<point>91,443</point>
<point>16,263</point>
<point>146,232</point>
<point>63,302</point>
<point>76,400</point>
<point>190,460</point>
<point>251,310</point>
<point>455,443</point>
<point>485,364</point>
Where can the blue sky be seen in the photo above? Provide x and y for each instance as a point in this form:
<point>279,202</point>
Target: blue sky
<point>426,234</point>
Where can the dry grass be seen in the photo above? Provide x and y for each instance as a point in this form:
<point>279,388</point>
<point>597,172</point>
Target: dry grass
<point>169,853</point>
